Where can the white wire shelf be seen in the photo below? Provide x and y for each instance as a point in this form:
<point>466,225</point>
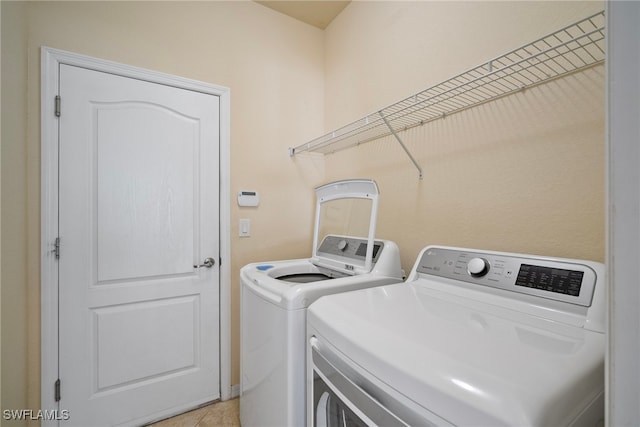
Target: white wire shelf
<point>568,50</point>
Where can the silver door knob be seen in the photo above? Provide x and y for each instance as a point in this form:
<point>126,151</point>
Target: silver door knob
<point>209,262</point>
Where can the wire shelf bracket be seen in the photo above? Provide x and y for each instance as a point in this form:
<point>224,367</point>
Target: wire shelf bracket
<point>404,147</point>
<point>571,49</point>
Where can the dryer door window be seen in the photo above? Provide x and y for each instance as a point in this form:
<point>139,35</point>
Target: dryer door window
<point>330,411</point>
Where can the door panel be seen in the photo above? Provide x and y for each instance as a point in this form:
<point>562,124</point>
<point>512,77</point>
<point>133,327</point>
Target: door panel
<point>145,194</point>
<point>139,210</point>
<point>168,327</point>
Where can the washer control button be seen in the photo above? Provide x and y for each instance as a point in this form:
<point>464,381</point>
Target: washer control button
<point>342,245</point>
<point>478,267</point>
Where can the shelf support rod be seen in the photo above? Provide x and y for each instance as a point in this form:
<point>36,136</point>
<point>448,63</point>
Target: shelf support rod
<point>393,132</point>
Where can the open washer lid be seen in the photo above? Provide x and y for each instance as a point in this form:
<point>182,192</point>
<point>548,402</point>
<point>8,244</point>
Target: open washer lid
<point>342,199</point>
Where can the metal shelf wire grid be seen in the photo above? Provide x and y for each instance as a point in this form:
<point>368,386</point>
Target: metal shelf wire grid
<point>569,50</point>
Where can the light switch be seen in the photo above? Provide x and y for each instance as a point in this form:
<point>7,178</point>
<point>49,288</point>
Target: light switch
<point>245,227</point>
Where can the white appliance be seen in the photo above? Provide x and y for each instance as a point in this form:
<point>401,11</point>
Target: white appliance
<point>473,338</point>
<point>275,296</point>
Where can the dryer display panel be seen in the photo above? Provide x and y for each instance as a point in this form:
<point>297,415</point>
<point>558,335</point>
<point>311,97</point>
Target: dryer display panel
<point>549,279</point>
<point>554,279</point>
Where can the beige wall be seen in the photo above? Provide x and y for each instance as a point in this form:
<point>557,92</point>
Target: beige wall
<point>14,230</point>
<point>274,68</point>
<point>523,174</point>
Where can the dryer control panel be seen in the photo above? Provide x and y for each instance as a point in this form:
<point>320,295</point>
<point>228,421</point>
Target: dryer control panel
<point>556,279</point>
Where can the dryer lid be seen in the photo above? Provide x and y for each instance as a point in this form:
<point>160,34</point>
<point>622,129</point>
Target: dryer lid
<point>470,363</point>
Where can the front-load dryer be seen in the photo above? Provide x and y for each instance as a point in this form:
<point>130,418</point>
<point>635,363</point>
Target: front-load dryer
<point>275,296</point>
<point>472,338</point>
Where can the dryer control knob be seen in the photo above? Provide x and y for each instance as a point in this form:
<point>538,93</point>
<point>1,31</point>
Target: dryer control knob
<point>478,267</point>
<point>342,245</point>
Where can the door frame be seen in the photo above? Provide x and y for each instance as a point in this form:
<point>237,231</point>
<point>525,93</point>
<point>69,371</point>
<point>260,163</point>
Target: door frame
<point>51,59</point>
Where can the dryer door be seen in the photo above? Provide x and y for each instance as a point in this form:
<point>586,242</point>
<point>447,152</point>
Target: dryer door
<point>343,394</point>
<point>339,401</point>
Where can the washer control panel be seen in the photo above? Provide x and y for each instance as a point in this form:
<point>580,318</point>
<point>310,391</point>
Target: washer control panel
<point>355,248</point>
<point>557,279</point>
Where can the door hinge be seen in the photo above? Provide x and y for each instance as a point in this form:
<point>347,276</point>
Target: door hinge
<point>56,248</point>
<point>57,390</point>
<point>57,106</point>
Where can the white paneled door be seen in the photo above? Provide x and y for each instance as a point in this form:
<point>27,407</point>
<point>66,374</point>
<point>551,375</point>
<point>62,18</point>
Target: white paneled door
<point>138,216</point>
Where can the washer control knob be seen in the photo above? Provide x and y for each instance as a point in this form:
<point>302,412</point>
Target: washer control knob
<point>478,267</point>
<point>342,245</point>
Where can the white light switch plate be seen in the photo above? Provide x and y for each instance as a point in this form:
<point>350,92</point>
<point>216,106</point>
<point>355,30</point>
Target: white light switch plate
<point>245,227</point>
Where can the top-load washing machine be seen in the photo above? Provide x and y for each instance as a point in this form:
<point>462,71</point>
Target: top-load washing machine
<point>275,296</point>
<point>473,338</point>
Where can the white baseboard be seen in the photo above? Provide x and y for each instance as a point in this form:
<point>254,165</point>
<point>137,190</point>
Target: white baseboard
<point>235,391</point>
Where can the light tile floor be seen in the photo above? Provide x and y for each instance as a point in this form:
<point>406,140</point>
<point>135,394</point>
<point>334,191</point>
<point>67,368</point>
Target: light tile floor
<point>220,414</point>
